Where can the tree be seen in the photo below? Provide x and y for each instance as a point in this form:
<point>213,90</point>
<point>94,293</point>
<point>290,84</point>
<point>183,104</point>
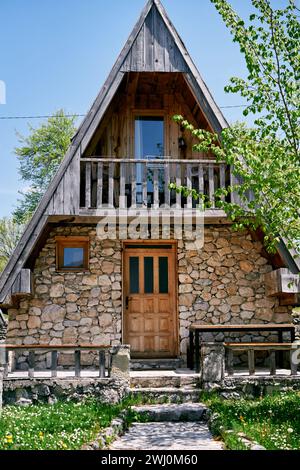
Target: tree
<point>265,158</point>
<point>39,155</point>
<point>10,233</point>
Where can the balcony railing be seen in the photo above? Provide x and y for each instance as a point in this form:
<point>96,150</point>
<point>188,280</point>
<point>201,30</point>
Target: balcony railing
<point>144,183</point>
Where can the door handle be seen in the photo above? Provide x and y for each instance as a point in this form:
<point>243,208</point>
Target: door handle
<point>126,302</point>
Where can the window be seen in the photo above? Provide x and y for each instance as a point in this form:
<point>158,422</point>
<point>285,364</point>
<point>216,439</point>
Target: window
<point>72,253</point>
<point>148,144</point>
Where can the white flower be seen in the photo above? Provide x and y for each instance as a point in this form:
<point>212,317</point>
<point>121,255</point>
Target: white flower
<point>290,430</point>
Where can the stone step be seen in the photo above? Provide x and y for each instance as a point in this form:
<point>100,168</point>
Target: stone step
<point>166,395</point>
<point>163,381</point>
<point>173,412</point>
<point>155,364</point>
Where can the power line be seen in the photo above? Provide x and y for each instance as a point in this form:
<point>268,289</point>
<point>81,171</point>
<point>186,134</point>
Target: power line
<point>83,115</point>
<point>41,117</point>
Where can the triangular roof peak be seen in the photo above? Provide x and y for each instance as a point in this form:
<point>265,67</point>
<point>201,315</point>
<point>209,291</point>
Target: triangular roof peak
<point>153,45</point>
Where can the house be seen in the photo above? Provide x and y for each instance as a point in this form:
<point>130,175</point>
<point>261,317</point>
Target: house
<point>113,256</point>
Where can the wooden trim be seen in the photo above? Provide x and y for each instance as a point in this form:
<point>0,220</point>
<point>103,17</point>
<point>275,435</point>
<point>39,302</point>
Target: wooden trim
<point>150,113</point>
<point>72,242</point>
<point>173,268</point>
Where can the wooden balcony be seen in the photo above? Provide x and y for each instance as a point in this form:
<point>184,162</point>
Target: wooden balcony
<point>144,183</point>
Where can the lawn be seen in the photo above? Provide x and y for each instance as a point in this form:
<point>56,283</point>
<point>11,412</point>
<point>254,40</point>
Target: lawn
<point>62,426</point>
<point>272,421</point>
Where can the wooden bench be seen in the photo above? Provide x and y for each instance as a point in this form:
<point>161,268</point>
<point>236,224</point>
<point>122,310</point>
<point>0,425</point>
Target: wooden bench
<point>252,347</point>
<point>104,352</point>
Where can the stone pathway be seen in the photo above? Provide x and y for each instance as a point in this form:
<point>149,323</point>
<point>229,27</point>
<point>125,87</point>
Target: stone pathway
<point>167,436</point>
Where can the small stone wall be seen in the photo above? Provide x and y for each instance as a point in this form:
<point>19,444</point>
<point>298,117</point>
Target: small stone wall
<point>220,283</point>
<point>26,391</point>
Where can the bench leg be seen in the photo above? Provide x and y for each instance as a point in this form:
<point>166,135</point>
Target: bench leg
<point>251,362</point>
<point>272,363</point>
<point>230,362</point>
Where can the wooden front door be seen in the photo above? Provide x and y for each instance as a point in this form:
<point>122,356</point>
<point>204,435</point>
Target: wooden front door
<point>150,313</point>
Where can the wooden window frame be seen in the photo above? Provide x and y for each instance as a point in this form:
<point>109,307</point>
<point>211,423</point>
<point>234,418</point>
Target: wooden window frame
<point>72,242</point>
<point>150,113</point>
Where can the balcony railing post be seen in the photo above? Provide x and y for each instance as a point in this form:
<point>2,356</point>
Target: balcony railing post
<point>122,185</point>
<point>111,169</point>
<point>88,172</point>
<point>99,184</point>
<point>211,183</point>
<point>178,184</point>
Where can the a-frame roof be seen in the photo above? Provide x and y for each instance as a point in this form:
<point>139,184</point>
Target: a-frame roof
<point>153,45</point>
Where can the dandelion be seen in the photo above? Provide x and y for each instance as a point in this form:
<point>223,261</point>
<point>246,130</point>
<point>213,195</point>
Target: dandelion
<point>290,430</point>
<point>9,438</point>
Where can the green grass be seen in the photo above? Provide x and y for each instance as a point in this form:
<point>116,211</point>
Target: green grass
<point>64,425</point>
<point>272,421</point>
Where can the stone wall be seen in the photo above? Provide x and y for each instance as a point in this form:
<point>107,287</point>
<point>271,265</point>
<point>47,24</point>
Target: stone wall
<point>223,283</point>
<point>219,283</point>
<point>26,392</point>
<point>72,307</point>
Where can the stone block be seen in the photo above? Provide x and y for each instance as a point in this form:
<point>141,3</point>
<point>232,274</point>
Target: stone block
<point>212,362</point>
<point>120,364</point>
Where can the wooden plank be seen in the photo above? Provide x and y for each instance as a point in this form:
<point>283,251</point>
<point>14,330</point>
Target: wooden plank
<point>111,170</point>
<point>156,187</point>
<point>20,254</point>
<point>88,169</point>
<point>31,364</point>
<point>178,184</point>
<point>189,200</point>
<point>49,347</point>
<point>167,182</point>
<point>272,363</point>
<point>145,184</point>
<point>23,283</point>
<point>99,184</point>
<point>261,346</point>
<point>133,185</point>
<point>54,363</point>
<point>200,179</point>
<point>248,327</point>
<point>251,361</point>
<point>149,43</point>
<point>159,36</point>
<point>122,185</point>
<point>102,364</point>
<point>77,355</point>
<point>211,187</point>
<point>157,161</point>
<point>222,168</point>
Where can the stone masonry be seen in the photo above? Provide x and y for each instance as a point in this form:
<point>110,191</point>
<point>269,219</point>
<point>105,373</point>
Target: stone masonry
<point>222,282</point>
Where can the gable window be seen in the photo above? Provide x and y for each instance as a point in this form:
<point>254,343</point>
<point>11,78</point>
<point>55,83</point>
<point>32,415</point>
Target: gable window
<point>72,253</point>
<point>148,144</point>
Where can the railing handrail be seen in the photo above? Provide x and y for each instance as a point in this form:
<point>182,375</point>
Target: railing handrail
<point>152,161</point>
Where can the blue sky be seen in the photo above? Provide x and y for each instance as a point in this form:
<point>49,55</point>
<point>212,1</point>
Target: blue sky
<point>57,54</point>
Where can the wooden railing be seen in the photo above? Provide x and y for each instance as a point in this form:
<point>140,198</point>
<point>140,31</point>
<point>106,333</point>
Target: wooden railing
<point>104,357</point>
<point>250,348</point>
<point>144,183</point>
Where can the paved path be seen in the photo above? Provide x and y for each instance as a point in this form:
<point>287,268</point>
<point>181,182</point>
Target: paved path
<point>167,436</point>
